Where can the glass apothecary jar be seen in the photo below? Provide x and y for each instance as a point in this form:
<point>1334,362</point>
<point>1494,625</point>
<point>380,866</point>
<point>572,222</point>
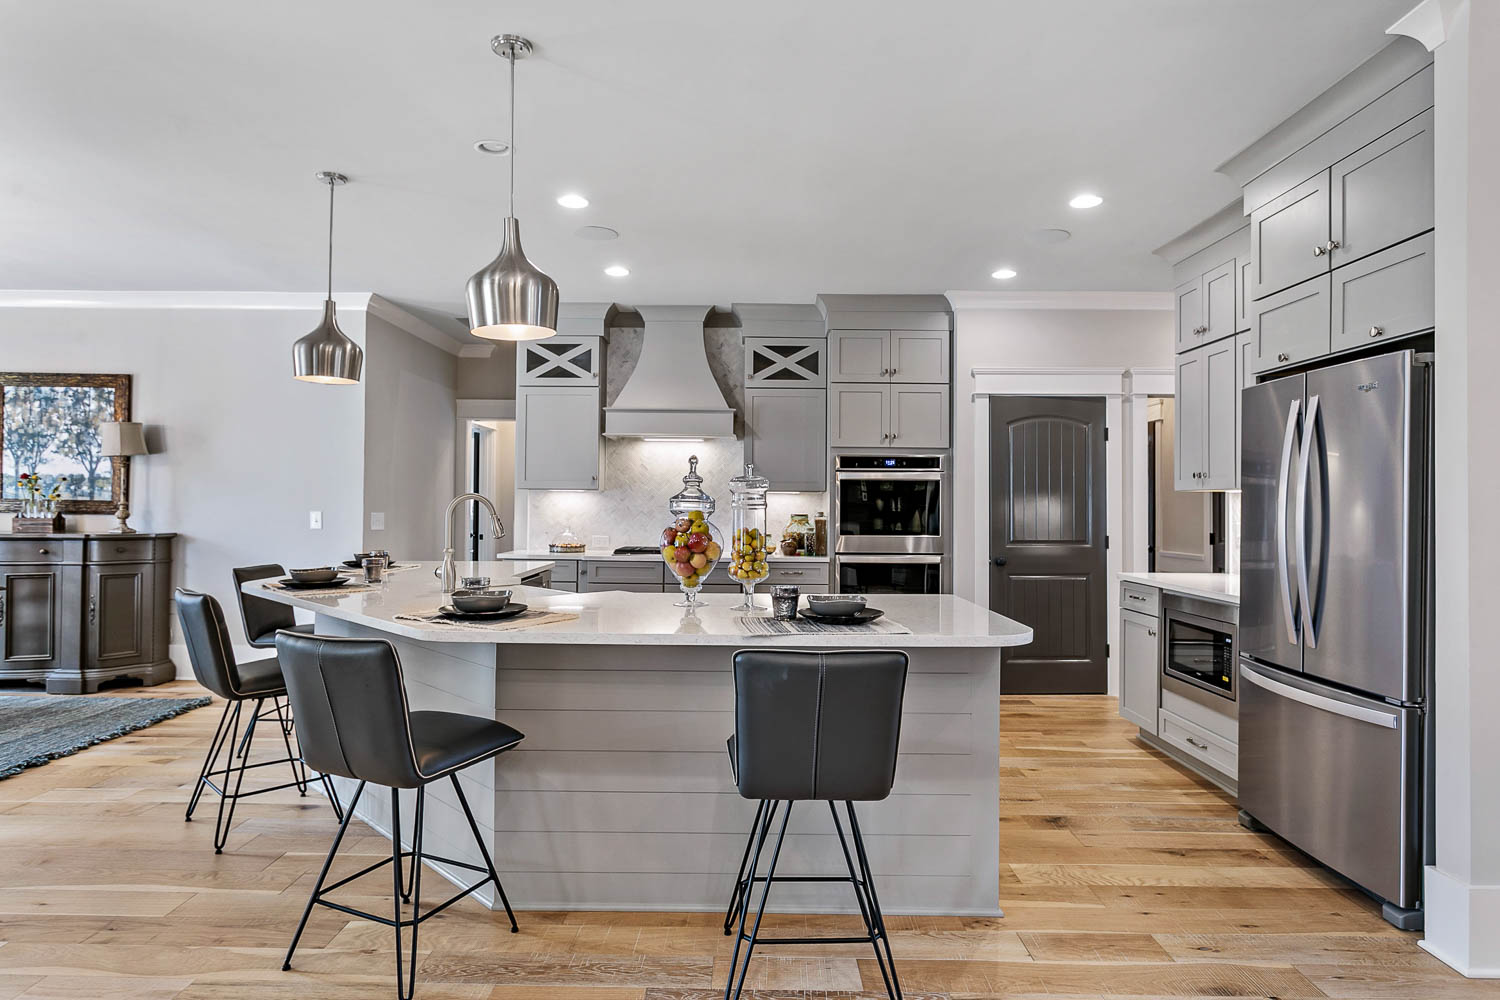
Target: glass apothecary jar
<point>690,543</point>
<point>748,563</point>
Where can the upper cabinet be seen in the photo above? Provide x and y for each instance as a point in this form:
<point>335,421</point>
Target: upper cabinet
<point>1208,305</point>
<point>559,400</point>
<point>786,362</point>
<point>889,355</point>
<point>1382,194</point>
<point>1289,238</point>
<point>1207,412</point>
<point>920,355</point>
<point>786,397</point>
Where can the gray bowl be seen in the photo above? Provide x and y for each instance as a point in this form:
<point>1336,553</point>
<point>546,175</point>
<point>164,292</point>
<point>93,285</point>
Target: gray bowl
<point>835,605</point>
<point>479,601</point>
<point>322,574</point>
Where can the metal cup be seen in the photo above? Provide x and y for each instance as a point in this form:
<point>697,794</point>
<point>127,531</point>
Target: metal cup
<point>784,598</point>
<point>473,582</point>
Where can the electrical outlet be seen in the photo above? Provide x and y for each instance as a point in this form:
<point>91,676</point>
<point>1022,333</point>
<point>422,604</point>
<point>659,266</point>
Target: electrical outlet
<point>377,520</point>
<point>315,520</point>
<point>599,541</point>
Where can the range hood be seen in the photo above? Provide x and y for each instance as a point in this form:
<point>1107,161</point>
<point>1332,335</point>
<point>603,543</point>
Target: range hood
<point>671,393</point>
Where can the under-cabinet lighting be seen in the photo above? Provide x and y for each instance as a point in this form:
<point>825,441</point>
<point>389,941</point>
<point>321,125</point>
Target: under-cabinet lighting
<point>672,440</point>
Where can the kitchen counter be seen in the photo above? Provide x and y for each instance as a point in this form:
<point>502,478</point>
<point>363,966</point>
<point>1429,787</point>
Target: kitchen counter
<point>606,555</point>
<point>1221,587</point>
<point>621,796</point>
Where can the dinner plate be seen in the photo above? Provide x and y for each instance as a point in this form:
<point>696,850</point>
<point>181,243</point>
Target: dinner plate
<point>864,617</point>
<point>509,611</point>
<point>291,584</point>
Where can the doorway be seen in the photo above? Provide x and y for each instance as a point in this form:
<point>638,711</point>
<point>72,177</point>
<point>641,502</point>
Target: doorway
<point>489,470</point>
<point>1048,562</point>
<point>1182,525</point>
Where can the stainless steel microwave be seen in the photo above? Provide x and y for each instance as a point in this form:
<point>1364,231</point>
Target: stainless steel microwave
<point>1201,646</point>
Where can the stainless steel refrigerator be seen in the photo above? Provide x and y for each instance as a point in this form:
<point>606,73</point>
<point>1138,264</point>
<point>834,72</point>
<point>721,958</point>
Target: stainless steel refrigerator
<point>1335,618</point>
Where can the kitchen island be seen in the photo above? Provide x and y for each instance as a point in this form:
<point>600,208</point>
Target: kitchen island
<point>621,796</point>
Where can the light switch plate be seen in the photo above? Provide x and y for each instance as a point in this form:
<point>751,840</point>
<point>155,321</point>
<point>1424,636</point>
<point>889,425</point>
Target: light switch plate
<point>377,520</point>
<point>315,520</point>
<point>598,541</point>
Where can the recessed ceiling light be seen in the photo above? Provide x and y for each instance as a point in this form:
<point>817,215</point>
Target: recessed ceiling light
<point>495,147</point>
<point>1046,237</point>
<point>1086,201</point>
<point>617,270</point>
<point>571,200</point>
<point>597,233</point>
<point>1004,274</point>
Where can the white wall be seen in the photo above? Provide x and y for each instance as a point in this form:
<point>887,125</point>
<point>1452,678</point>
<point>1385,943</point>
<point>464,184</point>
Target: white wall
<point>1035,338</point>
<point>245,450</point>
<point>408,440</point>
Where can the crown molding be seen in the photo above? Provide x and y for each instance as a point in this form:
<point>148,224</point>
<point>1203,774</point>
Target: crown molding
<point>383,308</point>
<point>1225,222</point>
<point>93,299</point>
<point>485,350</point>
<point>1428,22</point>
<point>980,300</point>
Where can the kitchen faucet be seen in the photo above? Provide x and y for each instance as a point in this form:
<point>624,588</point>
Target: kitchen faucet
<point>447,571</point>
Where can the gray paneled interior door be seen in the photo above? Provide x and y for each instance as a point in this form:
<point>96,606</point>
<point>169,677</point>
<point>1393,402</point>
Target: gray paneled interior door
<point>1047,542</point>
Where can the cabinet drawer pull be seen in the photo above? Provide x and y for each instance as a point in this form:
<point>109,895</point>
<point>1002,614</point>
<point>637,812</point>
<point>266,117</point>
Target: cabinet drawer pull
<point>1134,597</point>
<point>41,552</point>
<point>121,549</point>
<point>1193,742</point>
<point>1376,331</point>
<point>2,607</point>
<point>794,572</point>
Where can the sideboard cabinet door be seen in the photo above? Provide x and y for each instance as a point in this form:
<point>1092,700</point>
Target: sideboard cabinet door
<point>117,629</point>
<point>30,620</point>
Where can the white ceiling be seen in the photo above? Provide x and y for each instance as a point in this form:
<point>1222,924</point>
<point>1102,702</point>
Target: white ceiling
<point>760,151</point>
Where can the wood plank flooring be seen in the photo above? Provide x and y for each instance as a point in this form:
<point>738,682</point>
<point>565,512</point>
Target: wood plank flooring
<point>1122,875</point>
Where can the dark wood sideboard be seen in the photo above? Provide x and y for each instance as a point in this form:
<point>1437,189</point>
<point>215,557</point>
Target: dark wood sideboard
<point>77,610</point>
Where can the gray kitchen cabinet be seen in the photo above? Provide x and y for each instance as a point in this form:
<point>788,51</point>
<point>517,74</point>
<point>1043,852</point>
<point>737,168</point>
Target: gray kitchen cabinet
<point>786,437</point>
<point>78,610</point>
<point>1289,237</point>
<point>1385,295</point>
<point>1291,326</point>
<point>1207,414</point>
<point>1382,193</point>
<point>859,355</point>
<point>786,362</point>
<point>1242,294</point>
<point>859,415</point>
<point>1140,669</point>
<point>918,416</point>
<point>1207,306</point>
<point>560,360</point>
<point>919,355</point>
<point>557,437</point>
<point>1244,353</point>
<point>595,575</point>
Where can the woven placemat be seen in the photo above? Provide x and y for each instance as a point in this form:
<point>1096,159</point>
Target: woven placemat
<point>801,626</point>
<point>526,619</point>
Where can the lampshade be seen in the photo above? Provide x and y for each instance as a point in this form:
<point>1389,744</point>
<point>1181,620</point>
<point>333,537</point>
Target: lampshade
<point>327,355</point>
<point>120,438</point>
<point>509,298</point>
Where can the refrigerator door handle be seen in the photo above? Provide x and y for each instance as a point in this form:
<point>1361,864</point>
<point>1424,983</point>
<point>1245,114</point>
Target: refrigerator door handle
<point>1283,486</point>
<point>1309,436</point>
<point>1387,720</point>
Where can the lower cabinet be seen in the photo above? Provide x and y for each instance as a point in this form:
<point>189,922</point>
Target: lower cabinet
<point>77,611</point>
<point>786,437</point>
<point>1207,414</point>
<point>647,577</point>
<point>1140,669</point>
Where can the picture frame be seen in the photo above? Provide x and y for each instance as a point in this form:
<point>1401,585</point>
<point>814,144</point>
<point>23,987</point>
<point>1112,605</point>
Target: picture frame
<point>55,433</point>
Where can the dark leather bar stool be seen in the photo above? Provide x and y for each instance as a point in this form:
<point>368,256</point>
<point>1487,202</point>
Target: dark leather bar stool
<point>811,726</point>
<point>257,681</point>
<point>264,618</point>
<point>353,721</point>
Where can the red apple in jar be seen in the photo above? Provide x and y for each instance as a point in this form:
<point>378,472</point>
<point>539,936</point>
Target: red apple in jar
<point>682,569</point>
<point>698,542</point>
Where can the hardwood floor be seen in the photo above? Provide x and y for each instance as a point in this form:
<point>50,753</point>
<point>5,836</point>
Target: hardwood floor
<point>1122,875</point>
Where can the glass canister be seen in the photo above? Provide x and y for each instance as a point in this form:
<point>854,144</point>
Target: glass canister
<point>690,543</point>
<point>748,563</point>
<point>797,538</point>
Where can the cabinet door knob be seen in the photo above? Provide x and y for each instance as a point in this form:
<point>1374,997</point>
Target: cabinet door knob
<point>93,609</point>
<point>1376,331</point>
<point>1283,357</point>
<point>2,607</point>
<point>41,552</point>
<point>120,549</point>
<point>1151,632</point>
<point>1331,246</point>
<point>1319,251</point>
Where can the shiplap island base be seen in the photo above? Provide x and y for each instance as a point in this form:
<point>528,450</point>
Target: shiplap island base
<point>621,796</point>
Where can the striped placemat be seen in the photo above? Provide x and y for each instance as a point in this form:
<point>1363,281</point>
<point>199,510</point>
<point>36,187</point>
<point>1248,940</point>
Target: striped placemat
<point>801,626</point>
<point>348,588</point>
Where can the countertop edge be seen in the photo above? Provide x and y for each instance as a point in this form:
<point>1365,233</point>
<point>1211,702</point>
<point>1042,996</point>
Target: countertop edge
<point>1184,585</point>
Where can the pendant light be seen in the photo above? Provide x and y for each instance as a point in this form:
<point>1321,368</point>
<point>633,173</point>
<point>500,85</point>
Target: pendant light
<point>327,355</point>
<point>510,298</point>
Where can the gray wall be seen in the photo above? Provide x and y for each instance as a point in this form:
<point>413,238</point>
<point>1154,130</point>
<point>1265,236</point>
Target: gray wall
<point>493,377</point>
<point>408,440</point>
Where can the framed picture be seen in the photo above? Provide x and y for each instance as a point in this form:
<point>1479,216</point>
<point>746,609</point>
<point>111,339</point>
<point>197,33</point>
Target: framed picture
<point>49,428</point>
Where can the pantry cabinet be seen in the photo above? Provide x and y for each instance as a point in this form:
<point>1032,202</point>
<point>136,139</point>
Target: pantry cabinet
<point>1207,413</point>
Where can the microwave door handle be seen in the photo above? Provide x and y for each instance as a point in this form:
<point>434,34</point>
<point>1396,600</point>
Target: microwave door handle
<point>1309,437</point>
<point>1283,485</point>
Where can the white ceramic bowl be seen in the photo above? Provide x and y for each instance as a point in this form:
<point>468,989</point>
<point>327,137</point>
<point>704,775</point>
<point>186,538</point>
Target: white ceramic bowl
<point>835,605</point>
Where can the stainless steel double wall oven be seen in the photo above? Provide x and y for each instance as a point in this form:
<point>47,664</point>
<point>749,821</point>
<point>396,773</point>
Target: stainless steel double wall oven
<point>891,514</point>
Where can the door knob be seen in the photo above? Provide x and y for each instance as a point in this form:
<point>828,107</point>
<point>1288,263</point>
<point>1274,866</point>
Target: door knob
<point>999,560</point>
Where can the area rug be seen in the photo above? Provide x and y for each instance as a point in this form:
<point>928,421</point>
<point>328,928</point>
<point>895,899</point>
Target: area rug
<point>37,728</point>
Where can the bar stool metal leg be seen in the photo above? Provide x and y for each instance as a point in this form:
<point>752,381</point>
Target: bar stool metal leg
<point>739,881</point>
<point>732,989</point>
<point>230,709</point>
<point>485,851</point>
<point>312,900</point>
<point>875,913</point>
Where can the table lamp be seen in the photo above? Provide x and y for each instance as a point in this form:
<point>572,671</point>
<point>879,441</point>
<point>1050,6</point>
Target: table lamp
<point>121,439</point>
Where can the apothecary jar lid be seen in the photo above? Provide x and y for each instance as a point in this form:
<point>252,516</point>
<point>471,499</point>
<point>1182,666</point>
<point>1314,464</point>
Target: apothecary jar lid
<point>691,497</point>
<point>748,486</point>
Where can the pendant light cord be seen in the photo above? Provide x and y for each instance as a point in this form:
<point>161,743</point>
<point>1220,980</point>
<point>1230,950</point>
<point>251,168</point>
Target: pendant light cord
<point>331,186</point>
<point>512,60</point>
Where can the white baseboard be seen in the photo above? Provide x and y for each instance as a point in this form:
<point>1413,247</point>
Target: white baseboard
<point>1462,924</point>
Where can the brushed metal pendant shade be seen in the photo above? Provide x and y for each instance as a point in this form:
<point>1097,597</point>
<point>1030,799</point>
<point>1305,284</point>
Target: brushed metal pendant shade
<point>510,298</point>
<point>327,355</point>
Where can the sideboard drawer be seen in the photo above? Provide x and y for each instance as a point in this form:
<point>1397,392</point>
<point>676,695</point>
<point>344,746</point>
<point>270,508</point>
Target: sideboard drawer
<point>122,549</point>
<point>46,551</point>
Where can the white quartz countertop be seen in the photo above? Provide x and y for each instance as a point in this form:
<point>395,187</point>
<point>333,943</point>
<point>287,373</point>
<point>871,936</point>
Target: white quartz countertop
<point>1221,587</point>
<point>606,555</point>
<point>618,618</point>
